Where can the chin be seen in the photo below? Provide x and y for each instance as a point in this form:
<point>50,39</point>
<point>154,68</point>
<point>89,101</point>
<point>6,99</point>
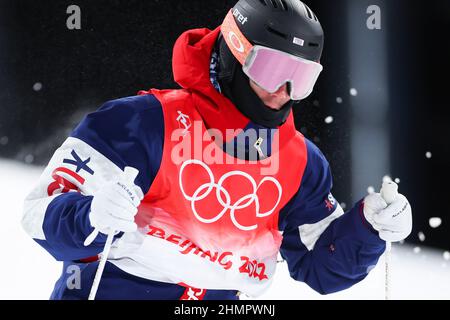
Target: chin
<point>273,107</point>
<point>276,105</point>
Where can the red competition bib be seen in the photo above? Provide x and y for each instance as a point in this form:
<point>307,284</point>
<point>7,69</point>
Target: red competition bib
<point>210,205</point>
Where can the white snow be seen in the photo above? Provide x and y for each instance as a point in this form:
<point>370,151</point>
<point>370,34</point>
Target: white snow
<point>339,100</point>
<point>446,255</point>
<point>397,180</point>
<point>37,86</point>
<point>26,271</point>
<point>435,222</point>
<point>329,119</point>
<point>370,189</point>
<point>4,140</point>
<point>353,92</point>
<point>412,277</point>
<point>29,272</point>
<point>421,236</point>
<point>428,155</point>
<point>29,158</point>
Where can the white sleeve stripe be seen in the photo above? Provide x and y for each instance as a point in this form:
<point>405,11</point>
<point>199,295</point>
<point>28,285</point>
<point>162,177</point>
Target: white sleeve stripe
<point>34,214</point>
<point>37,202</point>
<point>310,233</point>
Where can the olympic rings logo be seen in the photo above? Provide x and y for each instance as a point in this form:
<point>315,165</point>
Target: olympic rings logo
<point>223,196</point>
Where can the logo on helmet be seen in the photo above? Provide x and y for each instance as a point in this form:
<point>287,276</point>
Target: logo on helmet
<point>236,42</point>
<point>298,41</point>
<point>240,17</point>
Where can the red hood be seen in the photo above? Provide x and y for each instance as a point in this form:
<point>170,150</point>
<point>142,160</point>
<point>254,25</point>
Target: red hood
<point>191,69</point>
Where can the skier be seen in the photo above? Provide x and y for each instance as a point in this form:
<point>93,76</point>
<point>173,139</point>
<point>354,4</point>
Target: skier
<point>224,181</point>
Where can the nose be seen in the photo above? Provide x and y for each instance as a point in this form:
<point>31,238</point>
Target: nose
<point>281,91</point>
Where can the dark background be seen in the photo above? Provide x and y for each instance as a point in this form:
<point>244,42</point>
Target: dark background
<point>124,46</point>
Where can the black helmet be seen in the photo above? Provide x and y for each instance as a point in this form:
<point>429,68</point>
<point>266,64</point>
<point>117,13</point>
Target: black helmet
<point>285,25</point>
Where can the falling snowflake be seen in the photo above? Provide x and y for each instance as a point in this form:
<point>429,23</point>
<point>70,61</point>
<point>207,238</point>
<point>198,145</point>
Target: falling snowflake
<point>37,86</point>
<point>343,205</point>
<point>428,155</point>
<point>339,100</point>
<point>397,180</point>
<point>387,178</point>
<point>435,222</point>
<point>4,141</point>
<point>416,250</point>
<point>329,120</point>
<point>421,236</point>
<point>29,158</point>
<point>370,189</point>
<point>353,92</point>
<point>446,255</point>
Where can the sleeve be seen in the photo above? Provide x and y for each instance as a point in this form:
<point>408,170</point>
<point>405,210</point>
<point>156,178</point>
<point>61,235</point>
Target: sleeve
<point>324,247</point>
<point>123,132</point>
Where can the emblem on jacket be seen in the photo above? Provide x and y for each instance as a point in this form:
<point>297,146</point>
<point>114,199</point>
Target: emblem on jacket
<point>184,122</point>
<point>65,179</point>
<point>330,202</point>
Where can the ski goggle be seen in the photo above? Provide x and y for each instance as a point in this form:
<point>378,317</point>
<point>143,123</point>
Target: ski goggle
<point>269,68</point>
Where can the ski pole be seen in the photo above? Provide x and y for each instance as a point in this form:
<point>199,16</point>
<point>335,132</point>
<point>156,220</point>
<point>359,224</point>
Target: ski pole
<point>387,263</point>
<point>389,192</point>
<point>101,265</point>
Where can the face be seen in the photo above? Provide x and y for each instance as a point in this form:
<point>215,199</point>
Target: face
<point>273,100</point>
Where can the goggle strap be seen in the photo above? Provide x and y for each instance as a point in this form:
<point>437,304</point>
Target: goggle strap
<point>236,41</point>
